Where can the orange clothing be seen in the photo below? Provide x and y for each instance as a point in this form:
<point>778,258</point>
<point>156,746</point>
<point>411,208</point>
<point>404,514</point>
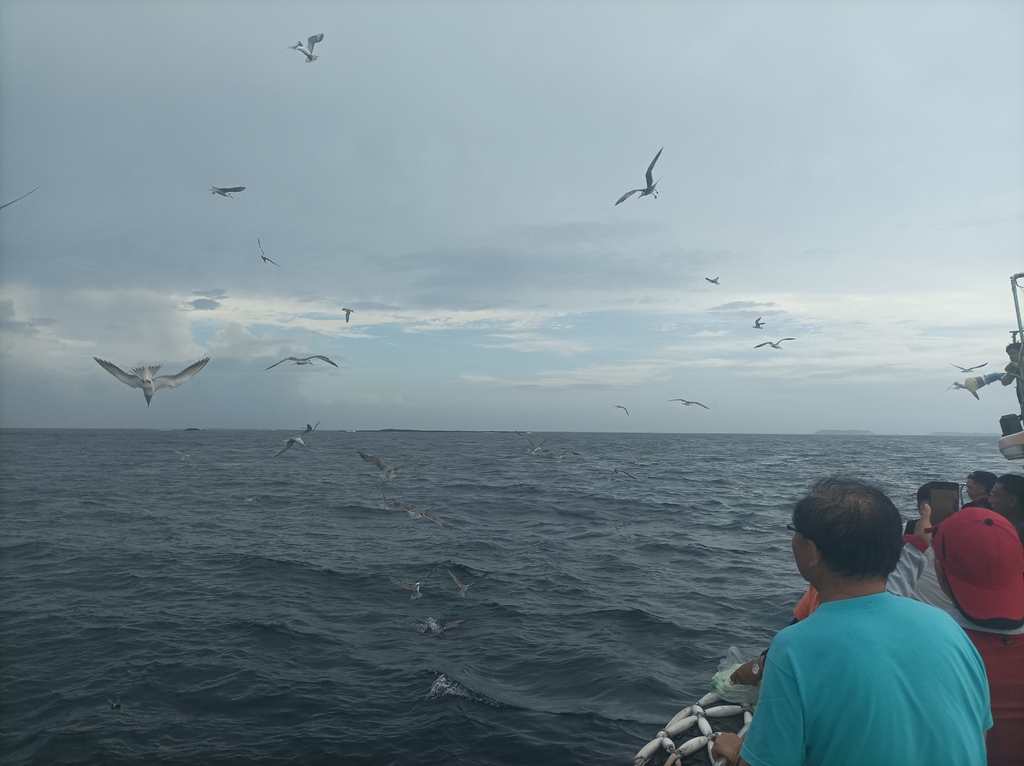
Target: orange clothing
<point>807,604</point>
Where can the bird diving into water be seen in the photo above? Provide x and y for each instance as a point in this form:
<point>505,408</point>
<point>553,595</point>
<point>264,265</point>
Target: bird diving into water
<point>146,377</point>
<point>307,49</point>
<point>264,255</point>
<point>302,360</point>
<point>651,187</point>
<point>226,191</point>
<point>773,345</point>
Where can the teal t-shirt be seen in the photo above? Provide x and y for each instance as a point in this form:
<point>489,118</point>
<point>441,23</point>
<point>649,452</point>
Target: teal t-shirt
<point>874,680</point>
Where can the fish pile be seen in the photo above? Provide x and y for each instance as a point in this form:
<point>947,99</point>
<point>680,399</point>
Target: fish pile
<point>688,737</point>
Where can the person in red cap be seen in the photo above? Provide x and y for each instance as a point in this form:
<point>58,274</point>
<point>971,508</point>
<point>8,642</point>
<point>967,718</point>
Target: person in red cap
<point>979,562</point>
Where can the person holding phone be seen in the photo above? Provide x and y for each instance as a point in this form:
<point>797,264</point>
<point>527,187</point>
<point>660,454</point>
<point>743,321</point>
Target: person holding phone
<point>848,663</point>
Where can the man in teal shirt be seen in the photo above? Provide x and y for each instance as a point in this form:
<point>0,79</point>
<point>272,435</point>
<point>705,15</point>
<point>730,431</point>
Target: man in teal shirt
<point>868,678</point>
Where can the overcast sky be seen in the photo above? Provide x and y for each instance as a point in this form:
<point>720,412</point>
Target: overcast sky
<point>852,172</point>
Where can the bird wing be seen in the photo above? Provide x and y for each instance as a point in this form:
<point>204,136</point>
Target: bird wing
<point>702,405</point>
<point>438,520</point>
<point>287,447</point>
<point>627,195</point>
<point>310,428</point>
<point>233,189</point>
<point>173,381</point>
<point>621,408</point>
<point>401,584</point>
<point>321,356</point>
<point>131,380</point>
<point>313,41</point>
<point>373,459</point>
<point>650,168</point>
<point>15,200</point>
<point>457,580</point>
<point>782,339</point>
<point>286,359</point>
<point>452,624</point>
<point>766,343</point>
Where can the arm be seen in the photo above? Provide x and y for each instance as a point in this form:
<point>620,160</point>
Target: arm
<point>728,746</point>
<point>903,580</point>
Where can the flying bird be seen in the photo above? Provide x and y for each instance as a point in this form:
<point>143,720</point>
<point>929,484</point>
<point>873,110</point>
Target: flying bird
<point>146,378</point>
<point>307,49</point>
<point>414,587</point>
<point>624,473</point>
<point>621,408</point>
<point>651,183</point>
<point>463,587</point>
<point>533,449</point>
<point>959,386</point>
<point>187,458</point>
<point>687,403</point>
<point>712,281</point>
<point>968,369</point>
<point>758,324</point>
<point>115,705</point>
<point>773,345</point>
<point>348,313</point>
<point>264,255</point>
<point>15,200</point>
<point>388,471</point>
<point>418,513</point>
<point>226,192</point>
<point>297,439</point>
<point>302,360</point>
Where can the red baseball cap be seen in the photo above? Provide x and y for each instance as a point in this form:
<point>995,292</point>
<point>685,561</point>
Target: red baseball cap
<point>983,560</point>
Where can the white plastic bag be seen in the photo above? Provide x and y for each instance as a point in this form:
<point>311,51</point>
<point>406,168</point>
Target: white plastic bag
<point>738,694</point>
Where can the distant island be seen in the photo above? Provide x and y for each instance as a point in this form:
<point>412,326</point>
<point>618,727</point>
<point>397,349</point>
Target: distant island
<point>830,432</point>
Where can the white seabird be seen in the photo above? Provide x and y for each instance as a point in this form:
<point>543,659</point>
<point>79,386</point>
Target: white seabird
<point>533,449</point>
<point>264,255</point>
<point>687,403</point>
<point>651,187</point>
<point>348,313</point>
<point>297,439</point>
<point>413,587</point>
<point>226,191</point>
<point>713,281</point>
<point>187,458</point>
<point>388,471</point>
<point>621,408</point>
<point>463,587</point>
<point>146,379</point>
<point>307,49</point>
<point>773,345</point>
<point>758,324</point>
<point>303,360</point>
<point>968,369</point>
<point>418,513</point>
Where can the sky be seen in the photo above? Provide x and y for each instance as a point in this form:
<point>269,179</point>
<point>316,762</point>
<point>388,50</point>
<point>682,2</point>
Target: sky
<point>851,172</point>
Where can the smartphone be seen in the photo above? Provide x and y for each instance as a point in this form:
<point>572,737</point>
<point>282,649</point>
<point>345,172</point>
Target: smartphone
<point>944,498</point>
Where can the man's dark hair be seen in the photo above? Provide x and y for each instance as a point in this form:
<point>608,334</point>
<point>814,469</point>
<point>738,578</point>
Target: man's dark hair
<point>987,479</point>
<point>1013,485</point>
<point>856,527</point>
<point>1012,346</point>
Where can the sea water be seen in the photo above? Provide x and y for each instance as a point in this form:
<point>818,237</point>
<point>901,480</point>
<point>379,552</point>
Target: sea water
<point>611,574</point>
